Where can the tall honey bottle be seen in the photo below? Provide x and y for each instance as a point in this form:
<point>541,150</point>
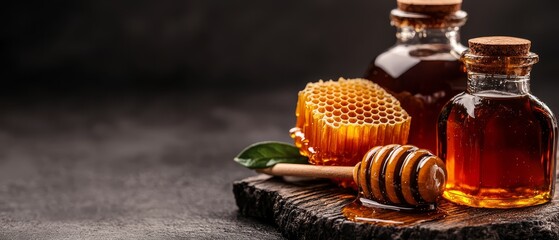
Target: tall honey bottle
<point>498,140</point>
<point>422,70</point>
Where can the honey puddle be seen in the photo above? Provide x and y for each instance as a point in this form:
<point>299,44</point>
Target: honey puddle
<point>365,210</point>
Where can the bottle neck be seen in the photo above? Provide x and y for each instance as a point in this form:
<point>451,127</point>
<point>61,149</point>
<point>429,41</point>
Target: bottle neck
<point>500,75</point>
<point>498,84</point>
<point>422,29</point>
<point>449,36</point>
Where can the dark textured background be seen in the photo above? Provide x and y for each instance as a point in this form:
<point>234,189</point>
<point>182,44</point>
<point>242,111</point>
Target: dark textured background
<point>120,119</point>
<point>239,43</point>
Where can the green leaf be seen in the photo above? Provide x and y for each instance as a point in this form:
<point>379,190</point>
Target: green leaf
<point>267,154</point>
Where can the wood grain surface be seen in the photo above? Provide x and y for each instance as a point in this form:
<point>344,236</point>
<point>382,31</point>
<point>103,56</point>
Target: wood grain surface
<point>312,210</point>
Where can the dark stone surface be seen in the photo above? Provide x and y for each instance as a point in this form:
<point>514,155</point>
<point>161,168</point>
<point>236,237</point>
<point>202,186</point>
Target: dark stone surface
<point>312,210</point>
<point>132,166</point>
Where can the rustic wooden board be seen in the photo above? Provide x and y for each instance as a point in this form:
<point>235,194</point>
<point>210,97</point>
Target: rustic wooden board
<point>312,210</point>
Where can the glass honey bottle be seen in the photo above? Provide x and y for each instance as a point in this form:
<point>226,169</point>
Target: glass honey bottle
<point>498,140</point>
<point>422,70</point>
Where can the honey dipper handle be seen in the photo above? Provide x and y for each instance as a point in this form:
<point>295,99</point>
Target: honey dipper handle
<point>304,170</point>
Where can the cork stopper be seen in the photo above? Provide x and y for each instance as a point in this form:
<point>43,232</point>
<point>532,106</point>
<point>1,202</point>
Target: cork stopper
<point>430,7</point>
<point>499,46</point>
<point>499,55</point>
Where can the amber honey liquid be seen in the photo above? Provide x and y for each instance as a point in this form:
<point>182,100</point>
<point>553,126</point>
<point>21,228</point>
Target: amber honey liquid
<point>423,80</point>
<point>367,211</point>
<point>499,150</point>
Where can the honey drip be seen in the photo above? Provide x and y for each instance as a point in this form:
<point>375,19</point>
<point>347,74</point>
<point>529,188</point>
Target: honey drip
<point>365,210</point>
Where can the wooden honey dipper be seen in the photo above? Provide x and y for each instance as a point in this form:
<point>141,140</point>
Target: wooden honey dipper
<point>393,174</point>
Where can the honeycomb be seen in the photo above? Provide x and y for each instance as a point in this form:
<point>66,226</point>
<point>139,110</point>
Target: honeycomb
<point>339,121</point>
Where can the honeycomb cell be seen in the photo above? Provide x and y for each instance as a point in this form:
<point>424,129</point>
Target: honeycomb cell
<point>337,105</point>
<point>350,117</point>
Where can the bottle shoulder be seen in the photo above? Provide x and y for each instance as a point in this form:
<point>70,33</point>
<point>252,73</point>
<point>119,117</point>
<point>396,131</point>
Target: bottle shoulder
<point>476,105</point>
<point>541,108</point>
<point>412,64</point>
<point>536,102</point>
<point>420,52</point>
